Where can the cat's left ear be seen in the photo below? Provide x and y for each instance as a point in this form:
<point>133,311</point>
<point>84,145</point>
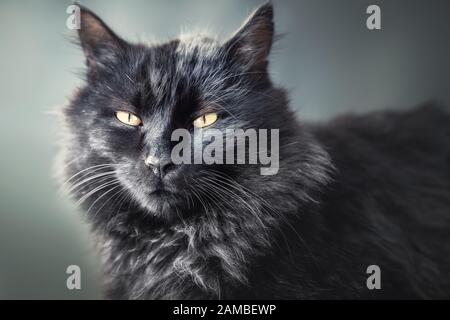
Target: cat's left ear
<point>100,44</point>
<point>251,44</point>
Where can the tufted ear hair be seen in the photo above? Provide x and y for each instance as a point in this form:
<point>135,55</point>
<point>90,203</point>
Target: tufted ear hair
<point>98,41</point>
<point>252,42</point>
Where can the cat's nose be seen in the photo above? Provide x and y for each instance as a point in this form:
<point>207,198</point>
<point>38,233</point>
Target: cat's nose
<point>160,167</point>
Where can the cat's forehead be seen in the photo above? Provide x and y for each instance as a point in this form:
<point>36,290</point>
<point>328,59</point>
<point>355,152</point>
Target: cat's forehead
<point>186,49</point>
<point>191,59</point>
<point>197,43</point>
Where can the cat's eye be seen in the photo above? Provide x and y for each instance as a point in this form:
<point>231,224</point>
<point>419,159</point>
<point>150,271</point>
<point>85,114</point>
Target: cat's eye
<point>128,118</point>
<point>205,120</point>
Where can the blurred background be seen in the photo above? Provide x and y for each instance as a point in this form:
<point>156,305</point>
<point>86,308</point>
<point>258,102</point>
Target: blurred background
<point>330,62</point>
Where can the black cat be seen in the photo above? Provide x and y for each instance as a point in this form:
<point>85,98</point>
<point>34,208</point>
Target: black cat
<point>355,192</point>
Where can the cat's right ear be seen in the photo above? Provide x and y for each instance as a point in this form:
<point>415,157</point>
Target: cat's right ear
<point>100,44</point>
<point>252,42</point>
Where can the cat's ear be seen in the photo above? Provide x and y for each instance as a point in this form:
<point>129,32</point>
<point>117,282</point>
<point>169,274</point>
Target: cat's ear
<point>98,41</point>
<point>252,42</point>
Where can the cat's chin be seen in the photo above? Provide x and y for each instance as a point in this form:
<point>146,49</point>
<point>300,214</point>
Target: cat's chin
<point>161,203</point>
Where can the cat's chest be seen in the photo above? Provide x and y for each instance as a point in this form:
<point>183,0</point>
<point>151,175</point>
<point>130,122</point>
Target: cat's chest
<point>161,265</point>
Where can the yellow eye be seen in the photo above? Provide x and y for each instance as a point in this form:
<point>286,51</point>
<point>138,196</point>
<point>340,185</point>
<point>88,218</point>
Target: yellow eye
<point>128,118</point>
<point>205,120</point>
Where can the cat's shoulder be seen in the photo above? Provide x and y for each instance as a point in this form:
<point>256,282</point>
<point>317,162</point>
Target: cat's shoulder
<point>426,121</point>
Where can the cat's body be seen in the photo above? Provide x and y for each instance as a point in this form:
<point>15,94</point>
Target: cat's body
<point>388,205</point>
<point>354,192</point>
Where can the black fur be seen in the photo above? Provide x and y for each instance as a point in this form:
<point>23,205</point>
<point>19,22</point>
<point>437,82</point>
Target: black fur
<point>357,191</point>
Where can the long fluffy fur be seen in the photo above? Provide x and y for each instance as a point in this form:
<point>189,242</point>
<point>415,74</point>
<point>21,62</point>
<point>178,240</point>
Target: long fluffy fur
<point>356,191</point>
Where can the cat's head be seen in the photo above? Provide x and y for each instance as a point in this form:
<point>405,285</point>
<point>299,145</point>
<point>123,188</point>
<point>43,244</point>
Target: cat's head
<point>136,96</point>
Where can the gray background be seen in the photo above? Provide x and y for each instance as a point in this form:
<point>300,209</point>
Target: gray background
<point>327,59</point>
